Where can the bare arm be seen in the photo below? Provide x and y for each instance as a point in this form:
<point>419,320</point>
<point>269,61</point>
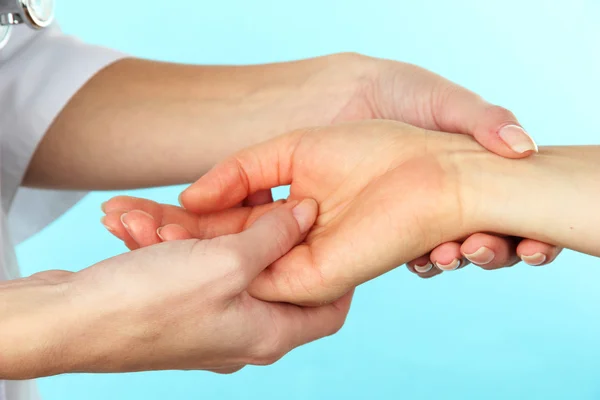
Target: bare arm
<point>552,196</point>
<point>142,123</point>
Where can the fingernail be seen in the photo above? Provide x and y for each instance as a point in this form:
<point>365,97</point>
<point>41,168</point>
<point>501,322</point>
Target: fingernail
<point>454,265</point>
<point>103,222</point>
<point>517,139</point>
<point>159,235</point>
<point>482,256</point>
<point>123,221</point>
<point>179,199</point>
<point>304,214</point>
<point>103,207</point>
<point>423,268</point>
<point>534,260</point>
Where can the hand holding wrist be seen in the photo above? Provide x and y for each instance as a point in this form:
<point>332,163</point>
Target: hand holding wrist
<point>180,305</point>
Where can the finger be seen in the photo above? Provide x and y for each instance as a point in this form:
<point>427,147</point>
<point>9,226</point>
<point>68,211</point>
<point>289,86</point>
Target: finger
<point>420,265</point>
<point>423,267</point>
<point>537,253</point>
<point>490,252</point>
<point>166,214</point>
<point>112,222</point>
<point>447,257</point>
<point>119,205</point>
<point>205,226</point>
<point>273,235</point>
<point>458,110</point>
<point>259,198</point>
<point>173,232</point>
<point>141,227</point>
<point>258,168</point>
<point>128,203</point>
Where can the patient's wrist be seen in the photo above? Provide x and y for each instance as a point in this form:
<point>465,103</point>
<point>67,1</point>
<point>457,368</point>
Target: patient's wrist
<point>549,196</point>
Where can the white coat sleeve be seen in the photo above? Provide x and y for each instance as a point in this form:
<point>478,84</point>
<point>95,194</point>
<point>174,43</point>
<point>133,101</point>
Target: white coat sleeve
<point>39,73</point>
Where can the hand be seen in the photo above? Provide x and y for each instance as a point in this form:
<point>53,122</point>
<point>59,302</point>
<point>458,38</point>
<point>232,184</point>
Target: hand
<point>365,226</point>
<point>177,305</point>
<point>385,89</point>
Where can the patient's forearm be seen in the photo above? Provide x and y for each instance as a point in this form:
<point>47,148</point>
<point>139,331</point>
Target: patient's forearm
<point>34,316</point>
<point>553,197</point>
<point>141,123</point>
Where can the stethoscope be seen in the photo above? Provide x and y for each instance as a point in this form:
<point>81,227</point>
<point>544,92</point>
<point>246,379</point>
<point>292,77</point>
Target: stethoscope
<point>37,14</point>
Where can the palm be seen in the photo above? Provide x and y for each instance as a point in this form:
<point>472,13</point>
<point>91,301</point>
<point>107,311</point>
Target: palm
<point>358,187</point>
<point>380,184</point>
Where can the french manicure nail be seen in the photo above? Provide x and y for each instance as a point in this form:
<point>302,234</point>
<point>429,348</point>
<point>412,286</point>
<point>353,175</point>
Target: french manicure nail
<point>534,260</point>
<point>123,221</point>
<point>454,265</point>
<point>423,268</point>
<point>303,213</point>
<point>517,139</point>
<point>103,222</point>
<point>159,235</point>
<point>482,256</point>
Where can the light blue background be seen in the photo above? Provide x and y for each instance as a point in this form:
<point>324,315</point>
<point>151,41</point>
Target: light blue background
<point>521,333</point>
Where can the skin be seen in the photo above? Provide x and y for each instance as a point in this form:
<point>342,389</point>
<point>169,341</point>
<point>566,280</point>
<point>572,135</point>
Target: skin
<point>178,305</point>
<point>137,110</point>
<point>163,124</point>
<point>389,193</point>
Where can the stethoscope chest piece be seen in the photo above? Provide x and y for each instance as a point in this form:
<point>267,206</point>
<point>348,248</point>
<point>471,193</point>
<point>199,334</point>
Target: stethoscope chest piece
<point>37,14</point>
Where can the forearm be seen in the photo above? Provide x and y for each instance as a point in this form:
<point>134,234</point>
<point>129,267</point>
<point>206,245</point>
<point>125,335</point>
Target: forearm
<point>34,317</point>
<point>552,196</point>
<point>52,325</point>
<point>141,123</point>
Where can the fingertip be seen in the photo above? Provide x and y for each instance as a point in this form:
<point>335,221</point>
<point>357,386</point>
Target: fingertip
<point>420,265</point>
<point>173,232</point>
<point>536,253</point>
<point>490,252</point>
<point>517,140</point>
<point>109,228</point>
<point>305,214</point>
<point>447,257</point>
<point>124,221</point>
<point>141,227</point>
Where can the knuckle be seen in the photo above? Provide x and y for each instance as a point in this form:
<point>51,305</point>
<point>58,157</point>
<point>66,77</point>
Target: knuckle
<point>500,113</point>
<point>230,261</point>
<point>268,352</point>
<point>233,267</point>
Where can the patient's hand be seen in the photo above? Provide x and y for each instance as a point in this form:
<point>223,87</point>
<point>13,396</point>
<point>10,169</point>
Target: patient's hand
<point>387,193</point>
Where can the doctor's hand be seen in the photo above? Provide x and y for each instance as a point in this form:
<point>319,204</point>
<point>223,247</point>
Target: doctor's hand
<point>176,305</point>
<point>387,194</point>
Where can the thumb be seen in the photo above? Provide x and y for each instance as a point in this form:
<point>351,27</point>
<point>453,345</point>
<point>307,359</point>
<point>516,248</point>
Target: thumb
<point>459,110</point>
<point>273,235</point>
<point>255,169</point>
